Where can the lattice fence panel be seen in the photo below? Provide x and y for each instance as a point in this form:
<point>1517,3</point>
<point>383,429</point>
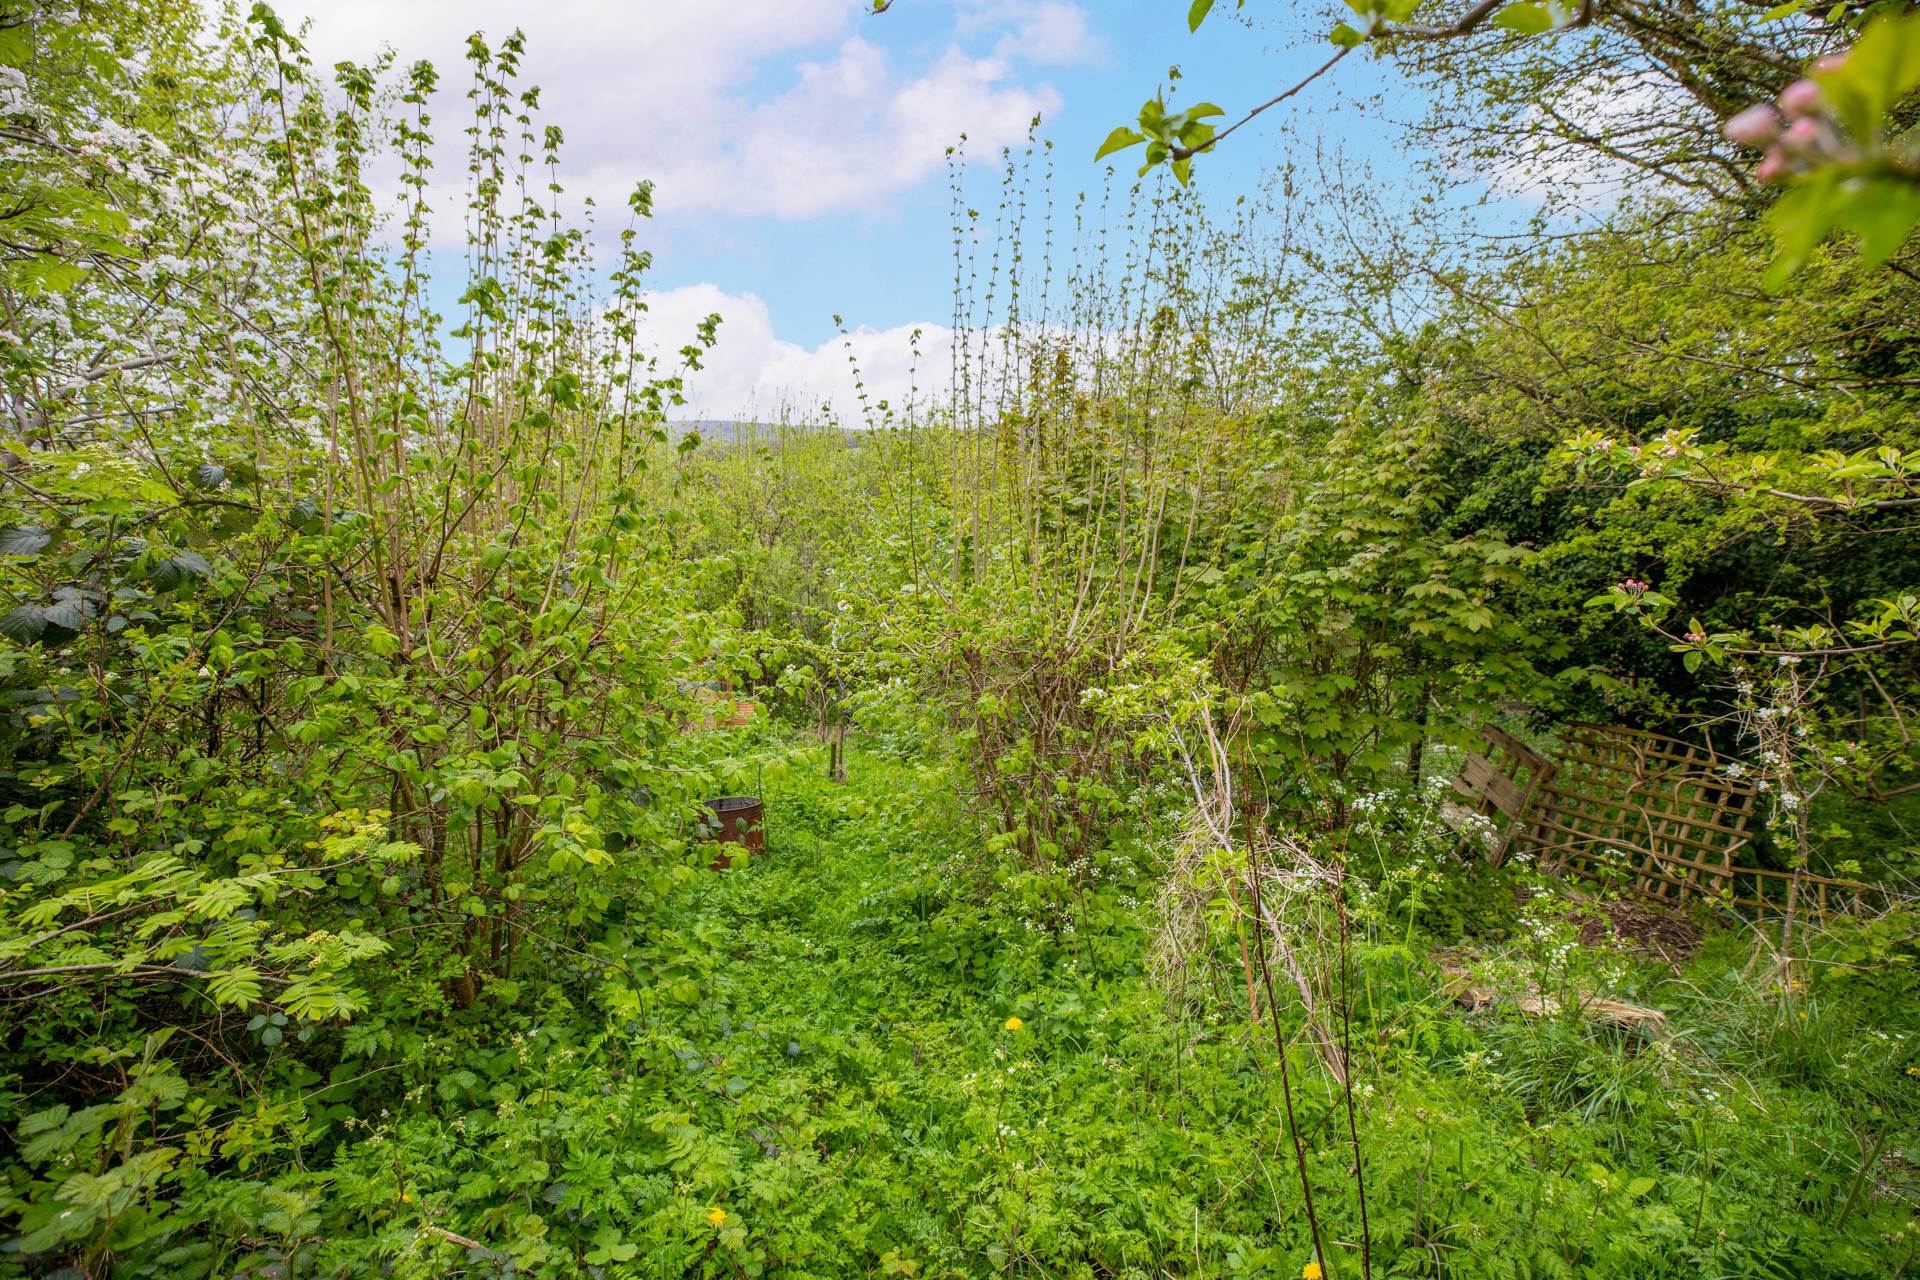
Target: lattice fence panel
<point>1670,816</point>
<point>1667,812</point>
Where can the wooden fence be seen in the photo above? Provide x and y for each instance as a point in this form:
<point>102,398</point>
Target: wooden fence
<point>1624,804</point>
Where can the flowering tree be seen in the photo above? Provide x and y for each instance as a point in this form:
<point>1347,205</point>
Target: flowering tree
<point>1838,139</point>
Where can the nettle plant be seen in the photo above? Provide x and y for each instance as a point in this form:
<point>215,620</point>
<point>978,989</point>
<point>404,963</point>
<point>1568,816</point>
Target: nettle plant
<point>338,644</point>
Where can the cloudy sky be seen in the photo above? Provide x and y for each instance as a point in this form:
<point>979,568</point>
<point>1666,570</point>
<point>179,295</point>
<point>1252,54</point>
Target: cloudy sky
<point>798,146</point>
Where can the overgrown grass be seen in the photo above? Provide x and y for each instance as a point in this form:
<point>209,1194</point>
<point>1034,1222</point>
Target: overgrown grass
<point>852,1058</point>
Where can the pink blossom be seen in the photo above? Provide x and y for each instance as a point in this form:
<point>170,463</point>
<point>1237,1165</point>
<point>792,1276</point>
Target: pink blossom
<point>1801,98</point>
<point>1773,167</point>
<point>1804,134</point>
<point>1754,127</point>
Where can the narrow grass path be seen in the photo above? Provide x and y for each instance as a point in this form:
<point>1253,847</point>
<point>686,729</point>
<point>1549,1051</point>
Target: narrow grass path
<point>919,1065</point>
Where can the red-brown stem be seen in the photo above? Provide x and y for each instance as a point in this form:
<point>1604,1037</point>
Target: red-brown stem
<point>1346,1051</point>
<point>1280,1050</point>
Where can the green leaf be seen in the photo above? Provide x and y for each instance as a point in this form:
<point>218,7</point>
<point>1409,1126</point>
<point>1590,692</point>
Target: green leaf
<point>1882,68</point>
<point>1800,220</point>
<point>1120,139</point>
<point>1198,14</point>
<point>1882,210</point>
<point>192,562</point>
<point>1526,18</point>
<point>1153,118</point>
<point>46,274</point>
<point>1882,214</point>
<point>1345,36</point>
<point>1195,134</point>
<point>173,570</point>
<point>23,540</point>
<point>44,1121</point>
<point>70,610</point>
<point>237,986</point>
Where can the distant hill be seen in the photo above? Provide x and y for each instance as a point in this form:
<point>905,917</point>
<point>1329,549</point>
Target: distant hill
<point>732,431</point>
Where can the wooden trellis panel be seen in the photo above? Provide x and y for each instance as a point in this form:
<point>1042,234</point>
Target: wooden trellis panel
<point>1498,784</point>
<point>1670,814</point>
<point>1780,893</point>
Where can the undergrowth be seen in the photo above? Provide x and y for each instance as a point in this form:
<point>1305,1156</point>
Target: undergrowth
<point>849,1062</point>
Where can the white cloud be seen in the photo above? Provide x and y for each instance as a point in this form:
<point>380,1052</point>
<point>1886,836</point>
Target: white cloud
<point>789,108</point>
<point>754,374</point>
<point>1575,177</point>
<point>1047,31</point>
<point>851,132</point>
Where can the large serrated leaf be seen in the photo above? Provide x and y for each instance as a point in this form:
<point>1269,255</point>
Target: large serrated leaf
<point>192,562</point>
<point>44,1121</point>
<point>70,610</point>
<point>23,540</point>
<point>175,569</point>
<point>24,624</point>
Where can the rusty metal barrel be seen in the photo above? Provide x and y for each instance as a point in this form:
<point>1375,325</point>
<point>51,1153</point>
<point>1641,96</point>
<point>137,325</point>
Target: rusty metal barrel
<point>735,820</point>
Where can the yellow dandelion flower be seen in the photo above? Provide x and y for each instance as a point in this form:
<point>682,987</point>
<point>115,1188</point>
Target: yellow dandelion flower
<point>1014,1024</point>
<point>717,1216</point>
<point>1311,1271</point>
<point>405,1198</point>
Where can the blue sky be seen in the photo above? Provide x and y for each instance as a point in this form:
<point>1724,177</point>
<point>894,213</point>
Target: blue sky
<point>887,264</point>
<point>798,144</point>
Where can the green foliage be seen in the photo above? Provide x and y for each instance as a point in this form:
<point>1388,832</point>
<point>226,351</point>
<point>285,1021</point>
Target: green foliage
<point>1171,136</point>
<point>1387,626</point>
<point>363,673</point>
<point>807,1066</point>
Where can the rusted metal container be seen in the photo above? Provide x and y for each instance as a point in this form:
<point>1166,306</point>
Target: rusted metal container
<point>735,820</point>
